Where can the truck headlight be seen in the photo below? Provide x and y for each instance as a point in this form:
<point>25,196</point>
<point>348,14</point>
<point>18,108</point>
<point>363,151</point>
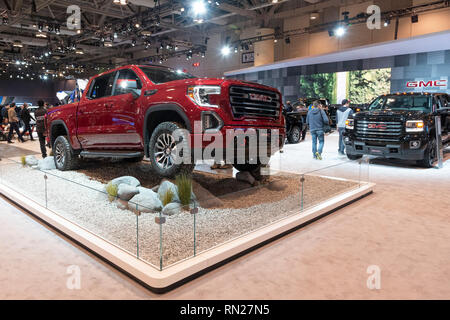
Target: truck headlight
<point>414,126</point>
<point>200,95</point>
<point>350,124</point>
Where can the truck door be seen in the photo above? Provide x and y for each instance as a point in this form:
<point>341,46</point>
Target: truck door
<point>91,115</point>
<point>121,116</point>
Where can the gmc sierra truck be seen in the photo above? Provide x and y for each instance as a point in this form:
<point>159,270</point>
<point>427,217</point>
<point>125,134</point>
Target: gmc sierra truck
<point>399,126</point>
<point>134,111</point>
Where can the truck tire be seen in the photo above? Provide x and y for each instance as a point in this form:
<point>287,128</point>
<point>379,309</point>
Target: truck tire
<point>247,167</point>
<point>354,156</point>
<point>64,157</point>
<point>430,155</point>
<point>161,145</point>
<point>295,135</point>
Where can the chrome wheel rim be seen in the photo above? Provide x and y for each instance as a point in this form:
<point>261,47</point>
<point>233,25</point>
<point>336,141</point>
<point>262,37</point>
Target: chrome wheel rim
<point>164,151</point>
<point>59,155</point>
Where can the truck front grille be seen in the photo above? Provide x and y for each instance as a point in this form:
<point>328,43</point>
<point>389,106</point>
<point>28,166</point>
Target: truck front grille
<point>379,130</point>
<point>254,102</point>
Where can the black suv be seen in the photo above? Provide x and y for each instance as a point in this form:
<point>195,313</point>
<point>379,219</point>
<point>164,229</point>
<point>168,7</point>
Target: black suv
<point>399,126</point>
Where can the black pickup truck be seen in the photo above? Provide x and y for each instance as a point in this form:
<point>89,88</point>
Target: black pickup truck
<point>399,126</point>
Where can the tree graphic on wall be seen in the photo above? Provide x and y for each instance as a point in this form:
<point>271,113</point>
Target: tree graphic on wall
<point>320,85</point>
<point>364,86</point>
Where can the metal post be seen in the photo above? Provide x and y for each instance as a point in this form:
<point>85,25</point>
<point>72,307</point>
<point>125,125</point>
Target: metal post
<point>46,198</point>
<point>137,231</point>
<point>302,180</point>
<point>439,147</point>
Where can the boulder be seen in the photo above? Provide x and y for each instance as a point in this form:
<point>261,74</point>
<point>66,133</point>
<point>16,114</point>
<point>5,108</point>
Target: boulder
<point>31,161</point>
<point>145,201</point>
<point>205,198</point>
<point>47,164</point>
<point>164,187</point>
<point>245,176</point>
<point>172,209</point>
<point>131,181</point>
<point>126,192</point>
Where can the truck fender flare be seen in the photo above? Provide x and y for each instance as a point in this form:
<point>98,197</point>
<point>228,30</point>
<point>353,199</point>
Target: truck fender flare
<point>162,107</point>
<point>54,123</point>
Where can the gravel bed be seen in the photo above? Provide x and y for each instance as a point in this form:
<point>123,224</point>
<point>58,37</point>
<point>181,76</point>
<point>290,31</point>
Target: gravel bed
<point>81,200</point>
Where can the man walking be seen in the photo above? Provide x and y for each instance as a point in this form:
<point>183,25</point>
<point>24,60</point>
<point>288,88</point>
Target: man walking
<point>342,115</point>
<point>26,118</point>
<point>40,126</point>
<point>316,120</point>
<point>13,123</point>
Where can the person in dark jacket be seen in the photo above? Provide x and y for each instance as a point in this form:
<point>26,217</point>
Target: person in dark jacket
<point>13,123</point>
<point>288,107</point>
<point>342,115</point>
<point>40,126</point>
<point>316,120</point>
<point>26,118</point>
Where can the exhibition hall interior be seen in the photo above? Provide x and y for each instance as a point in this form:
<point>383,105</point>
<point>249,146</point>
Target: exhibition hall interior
<point>224,150</point>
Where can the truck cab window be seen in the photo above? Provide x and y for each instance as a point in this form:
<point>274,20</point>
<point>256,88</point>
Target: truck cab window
<point>101,87</point>
<point>127,81</point>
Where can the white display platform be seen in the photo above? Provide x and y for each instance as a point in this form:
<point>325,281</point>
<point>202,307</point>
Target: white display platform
<point>181,272</point>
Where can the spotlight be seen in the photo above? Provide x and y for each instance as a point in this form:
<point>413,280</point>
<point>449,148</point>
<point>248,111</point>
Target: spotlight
<point>5,20</point>
<point>203,54</point>
<point>79,51</point>
<point>387,22</point>
<point>199,7</point>
<point>287,40</point>
<point>133,42</point>
<point>79,31</point>
<point>40,26</point>
<point>225,50</point>
<point>414,18</point>
<point>115,35</point>
<point>41,34</point>
<point>137,25</point>
<point>235,49</point>
<point>314,16</point>
<point>339,31</point>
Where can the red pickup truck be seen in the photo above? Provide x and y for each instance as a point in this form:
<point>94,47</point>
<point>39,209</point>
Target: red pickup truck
<point>133,111</point>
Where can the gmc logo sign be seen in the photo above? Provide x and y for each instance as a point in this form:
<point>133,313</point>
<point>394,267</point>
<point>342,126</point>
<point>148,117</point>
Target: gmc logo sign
<point>259,97</point>
<point>377,126</point>
<point>423,84</point>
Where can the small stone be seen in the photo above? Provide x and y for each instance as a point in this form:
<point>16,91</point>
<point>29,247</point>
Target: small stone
<point>245,176</point>
<point>171,209</point>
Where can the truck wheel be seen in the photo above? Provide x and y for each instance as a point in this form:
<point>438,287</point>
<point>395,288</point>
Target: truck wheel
<point>354,156</point>
<point>64,157</point>
<point>247,167</point>
<point>295,135</point>
<point>429,156</point>
<point>162,147</point>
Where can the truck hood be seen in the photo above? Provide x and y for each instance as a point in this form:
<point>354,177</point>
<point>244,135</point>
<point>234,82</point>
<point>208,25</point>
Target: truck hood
<point>390,115</point>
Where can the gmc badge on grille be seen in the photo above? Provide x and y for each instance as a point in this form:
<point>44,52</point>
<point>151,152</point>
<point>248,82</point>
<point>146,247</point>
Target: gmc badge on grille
<point>259,97</point>
<point>377,126</point>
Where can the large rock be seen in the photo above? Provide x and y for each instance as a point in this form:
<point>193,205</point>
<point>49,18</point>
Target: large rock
<point>172,209</point>
<point>47,164</point>
<point>205,198</point>
<point>145,201</point>
<point>164,187</point>
<point>131,181</point>
<point>245,176</point>
<point>126,192</point>
<point>31,161</point>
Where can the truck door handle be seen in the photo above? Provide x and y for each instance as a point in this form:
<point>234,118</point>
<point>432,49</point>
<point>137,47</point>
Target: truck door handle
<point>150,92</point>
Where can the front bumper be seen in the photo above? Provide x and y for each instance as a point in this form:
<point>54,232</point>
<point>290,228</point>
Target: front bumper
<point>394,150</point>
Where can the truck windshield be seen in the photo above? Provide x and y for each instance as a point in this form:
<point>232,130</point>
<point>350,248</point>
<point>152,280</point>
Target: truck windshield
<point>163,75</point>
<point>404,102</point>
